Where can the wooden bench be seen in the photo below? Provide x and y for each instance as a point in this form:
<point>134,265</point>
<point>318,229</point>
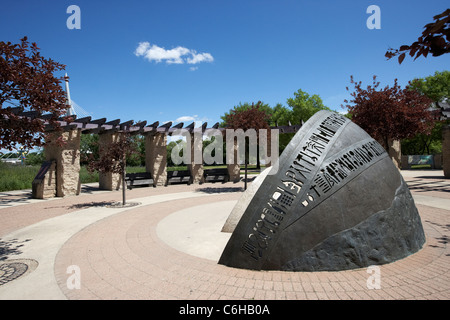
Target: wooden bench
<point>215,175</point>
<point>179,176</point>
<point>139,179</point>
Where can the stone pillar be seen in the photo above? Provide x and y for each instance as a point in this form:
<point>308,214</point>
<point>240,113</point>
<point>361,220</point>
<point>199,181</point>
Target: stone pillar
<point>234,169</point>
<point>446,150</point>
<point>405,162</point>
<point>156,157</point>
<point>196,165</point>
<point>395,152</point>
<point>108,180</point>
<point>437,161</point>
<point>64,149</point>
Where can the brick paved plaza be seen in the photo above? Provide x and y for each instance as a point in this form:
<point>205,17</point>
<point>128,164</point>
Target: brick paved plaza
<point>166,247</point>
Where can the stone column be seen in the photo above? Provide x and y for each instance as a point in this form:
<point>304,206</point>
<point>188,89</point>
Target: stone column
<point>404,162</point>
<point>234,169</point>
<point>64,149</point>
<point>437,160</point>
<point>395,152</point>
<point>108,180</point>
<point>196,165</point>
<point>156,157</point>
<point>446,150</point>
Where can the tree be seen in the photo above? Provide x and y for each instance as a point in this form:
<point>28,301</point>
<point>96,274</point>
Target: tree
<point>89,148</point>
<point>300,108</point>
<point>390,113</point>
<point>435,39</point>
<point>424,144</point>
<point>253,117</point>
<point>27,81</point>
<point>281,116</point>
<point>114,159</point>
<point>304,106</point>
<point>437,88</point>
<point>137,158</point>
<point>244,107</point>
<point>170,147</point>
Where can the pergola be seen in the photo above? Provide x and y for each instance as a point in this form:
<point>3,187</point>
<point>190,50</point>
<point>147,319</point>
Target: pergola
<point>59,176</point>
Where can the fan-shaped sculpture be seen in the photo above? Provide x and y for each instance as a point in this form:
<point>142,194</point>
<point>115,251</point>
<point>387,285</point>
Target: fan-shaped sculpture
<point>336,202</point>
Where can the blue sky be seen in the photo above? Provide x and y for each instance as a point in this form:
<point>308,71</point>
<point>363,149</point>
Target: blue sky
<point>198,59</point>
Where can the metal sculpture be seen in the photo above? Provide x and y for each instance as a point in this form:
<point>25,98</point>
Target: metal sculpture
<point>337,202</point>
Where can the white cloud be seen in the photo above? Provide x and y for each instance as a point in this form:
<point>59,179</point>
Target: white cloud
<point>185,119</point>
<point>199,57</point>
<point>178,55</point>
<point>193,68</point>
<point>195,118</point>
<point>142,48</point>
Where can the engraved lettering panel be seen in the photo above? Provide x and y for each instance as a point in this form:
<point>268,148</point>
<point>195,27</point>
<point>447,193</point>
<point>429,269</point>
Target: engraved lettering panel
<point>290,191</point>
<point>332,175</point>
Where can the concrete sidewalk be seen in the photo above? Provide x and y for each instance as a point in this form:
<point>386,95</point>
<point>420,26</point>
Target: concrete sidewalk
<point>167,246</point>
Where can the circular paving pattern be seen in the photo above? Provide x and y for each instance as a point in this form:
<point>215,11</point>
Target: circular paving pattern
<point>124,257</point>
<point>13,269</point>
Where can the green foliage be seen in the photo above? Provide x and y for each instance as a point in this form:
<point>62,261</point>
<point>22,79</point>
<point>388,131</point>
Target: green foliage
<point>300,108</point>
<point>169,148</point>
<point>436,87</point>
<point>88,148</point>
<point>304,106</point>
<point>34,159</point>
<point>16,177</point>
<point>425,144</point>
<point>281,116</point>
<point>137,158</point>
<point>88,177</point>
<point>19,177</point>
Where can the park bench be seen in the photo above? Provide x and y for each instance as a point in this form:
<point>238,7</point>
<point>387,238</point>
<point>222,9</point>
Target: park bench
<point>139,179</point>
<point>178,176</point>
<point>215,175</point>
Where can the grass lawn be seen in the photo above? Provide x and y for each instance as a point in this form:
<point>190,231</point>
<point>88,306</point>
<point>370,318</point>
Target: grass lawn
<point>421,166</point>
<point>19,177</point>
<point>16,177</point>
